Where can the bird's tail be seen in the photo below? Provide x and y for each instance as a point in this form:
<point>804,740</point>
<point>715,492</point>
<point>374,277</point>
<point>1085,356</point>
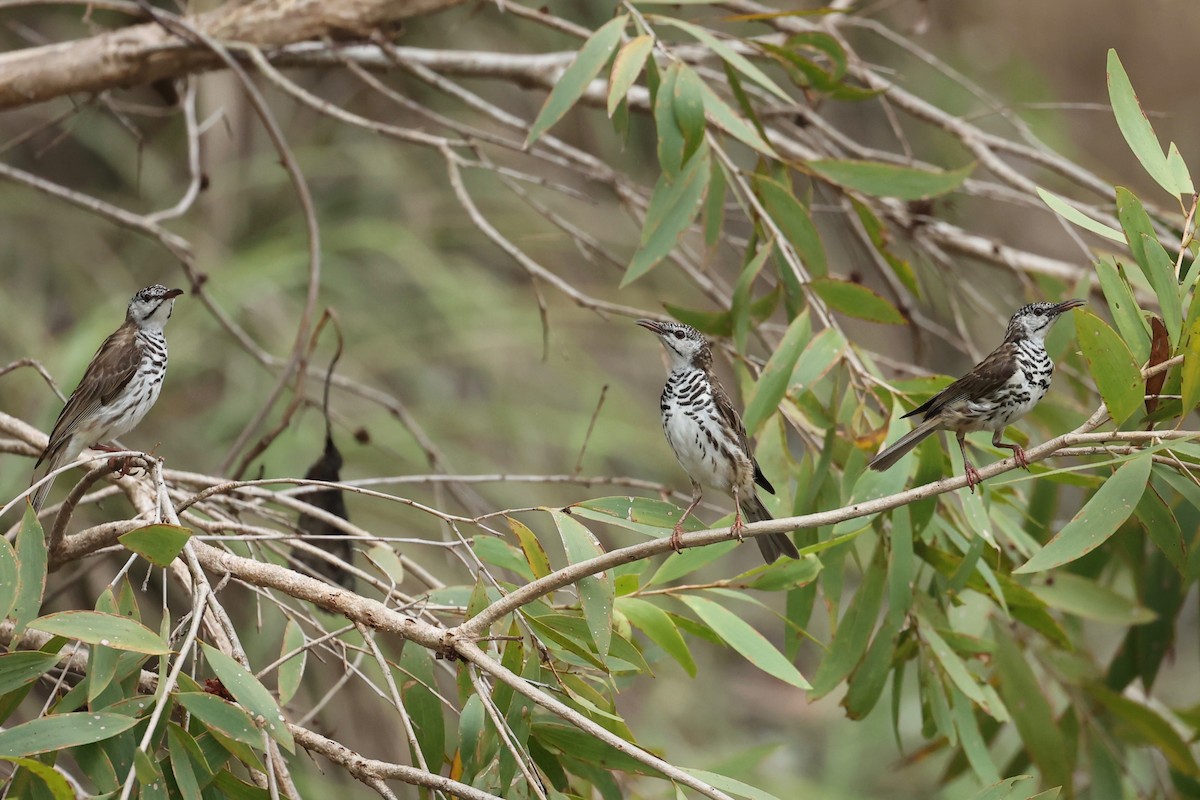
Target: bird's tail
<point>55,455</point>
<point>908,441</point>
<point>773,545</point>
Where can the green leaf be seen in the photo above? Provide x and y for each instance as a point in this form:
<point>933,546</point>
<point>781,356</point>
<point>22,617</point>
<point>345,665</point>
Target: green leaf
<point>782,574</point>
<point>971,740</point>
<point>158,544</point>
<point>1031,712</point>
<point>55,783</point>
<point>853,631</point>
<point>888,180</point>
<point>575,79</point>
<point>1117,375</point>
<point>1190,371</point>
<point>654,518</point>
<point>60,731</point>
<point>1099,518</point>
<point>689,561</point>
<point>867,682</point>
<point>740,306</point>
<point>9,577</point>
<point>673,206</point>
<point>626,68</point>
<point>1135,127</point>
<point>1161,274</point>
<point>688,107</point>
<point>1124,308</point>
<point>795,222</point>
<point>535,554</point>
<point>727,53</point>
<point>817,359</point>
<point>31,568</point>
<point>954,667</point>
<point>724,117</point>
<point>222,717</point>
<point>417,691</point>
<point>1085,598</point>
<point>745,640</point>
<point>22,668</point>
<point>670,138</point>
<point>1162,527</point>
<point>501,554</point>
<point>291,672</point>
<point>1139,723</point>
<point>110,630</point>
<point>251,695</point>
<point>657,625</point>
<point>856,300</point>
<point>773,382</point>
<point>1077,217</point>
<point>596,592</point>
<point>730,785</point>
<point>878,233</point>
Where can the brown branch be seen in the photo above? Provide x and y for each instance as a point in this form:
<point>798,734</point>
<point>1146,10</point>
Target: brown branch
<point>142,54</point>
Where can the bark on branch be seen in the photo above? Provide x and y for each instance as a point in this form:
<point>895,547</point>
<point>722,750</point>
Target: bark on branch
<point>142,54</point>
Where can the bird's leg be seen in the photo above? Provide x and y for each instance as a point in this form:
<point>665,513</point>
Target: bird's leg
<point>697,493</point>
<point>973,478</point>
<point>1018,451</point>
<point>736,527</point>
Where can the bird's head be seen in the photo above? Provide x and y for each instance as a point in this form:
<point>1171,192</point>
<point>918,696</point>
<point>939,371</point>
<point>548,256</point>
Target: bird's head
<point>1034,320</point>
<point>685,345</point>
<point>152,306</point>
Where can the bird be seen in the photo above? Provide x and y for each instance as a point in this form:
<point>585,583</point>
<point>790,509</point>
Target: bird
<point>999,390</point>
<point>119,386</point>
<point>708,437</point>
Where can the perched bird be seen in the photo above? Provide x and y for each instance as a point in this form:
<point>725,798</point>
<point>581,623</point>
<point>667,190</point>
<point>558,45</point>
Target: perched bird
<point>118,387</point>
<point>1001,389</point>
<point>708,436</point>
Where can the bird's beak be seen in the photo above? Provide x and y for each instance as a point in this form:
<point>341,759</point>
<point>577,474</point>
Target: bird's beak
<point>1067,305</point>
<point>650,325</point>
<point>173,293</point>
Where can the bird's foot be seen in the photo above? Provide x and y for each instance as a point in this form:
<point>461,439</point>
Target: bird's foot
<point>1019,457</point>
<point>973,478</point>
<point>736,528</point>
<point>123,466</point>
<point>676,539</point>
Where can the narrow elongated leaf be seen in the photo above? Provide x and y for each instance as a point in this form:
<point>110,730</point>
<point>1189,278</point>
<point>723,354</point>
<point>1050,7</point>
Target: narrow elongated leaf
<point>158,544</point>
<point>1077,217</point>
<point>954,667</point>
<point>10,580</point>
<point>422,703</point>
<point>626,68</point>
<point>879,235</point>
<point>1190,388</point>
<point>673,206</point>
<point>971,739</point>
<point>888,180</point>
<point>575,79</point>
<point>1143,724</point>
<point>853,630</point>
<point>819,356</point>
<point>223,717</point>
<point>724,117</point>
<point>1135,127</point>
<point>55,783</point>
<point>689,561</point>
<point>657,625</point>
<point>60,731</point>
<point>1162,527</point>
<point>1031,712</point>
<point>671,142</point>
<point>184,751</point>
<point>24,667</point>
<point>1117,375</point>
<point>1099,518</point>
<point>1162,277</point>
<point>535,554</point>
<point>740,308</point>
<point>856,300</point>
<point>773,382</point>
<point>688,107</point>
<point>727,54</point>
<point>1124,308</point>
<point>730,785</point>
<point>110,630</point>
<point>31,569</point>
<point>645,515</point>
<point>745,640</point>
<point>1085,598</point>
<point>251,695</point>
<point>596,592</point>
<point>291,672</point>
<point>794,220</point>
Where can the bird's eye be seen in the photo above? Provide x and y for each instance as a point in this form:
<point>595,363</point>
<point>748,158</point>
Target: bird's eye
<point>678,334</point>
<point>1038,311</point>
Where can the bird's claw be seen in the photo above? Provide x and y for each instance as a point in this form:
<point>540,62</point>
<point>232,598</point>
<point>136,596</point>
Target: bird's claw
<point>123,466</point>
<point>973,478</point>
<point>1020,457</point>
<point>736,528</point>
<point>676,538</point>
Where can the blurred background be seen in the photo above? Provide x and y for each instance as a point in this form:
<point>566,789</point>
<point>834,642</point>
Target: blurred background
<point>499,374</point>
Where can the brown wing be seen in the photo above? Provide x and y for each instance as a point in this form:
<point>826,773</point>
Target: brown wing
<point>106,375</point>
<point>733,420</point>
<point>987,376</point>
